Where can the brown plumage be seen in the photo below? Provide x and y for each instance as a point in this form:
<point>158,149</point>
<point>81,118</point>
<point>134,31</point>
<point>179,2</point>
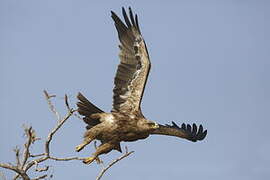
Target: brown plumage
<point>126,121</point>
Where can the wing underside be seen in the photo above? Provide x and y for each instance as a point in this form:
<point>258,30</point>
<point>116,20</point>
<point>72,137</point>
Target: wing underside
<point>132,72</point>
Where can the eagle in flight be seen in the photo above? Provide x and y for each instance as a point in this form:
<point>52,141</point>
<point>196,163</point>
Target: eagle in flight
<point>126,121</point>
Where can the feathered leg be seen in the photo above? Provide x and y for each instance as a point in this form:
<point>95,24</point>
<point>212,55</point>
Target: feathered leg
<point>102,149</point>
<point>89,136</point>
<point>85,142</point>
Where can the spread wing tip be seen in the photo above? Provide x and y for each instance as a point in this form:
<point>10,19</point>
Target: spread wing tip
<point>130,21</point>
<point>193,132</point>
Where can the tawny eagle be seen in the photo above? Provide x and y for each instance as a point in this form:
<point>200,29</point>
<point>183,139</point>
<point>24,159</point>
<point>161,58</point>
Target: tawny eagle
<point>126,121</point>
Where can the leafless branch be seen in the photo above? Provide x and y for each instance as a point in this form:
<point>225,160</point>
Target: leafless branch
<point>66,159</point>
<point>17,154</point>
<point>58,126</point>
<point>36,155</point>
<point>102,172</point>
<point>16,177</point>
<point>51,106</point>
<point>28,132</point>
<point>15,169</point>
<point>40,177</point>
<point>25,160</point>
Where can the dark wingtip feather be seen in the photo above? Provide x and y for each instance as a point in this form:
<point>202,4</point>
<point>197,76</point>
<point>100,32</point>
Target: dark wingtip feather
<point>175,125</point>
<point>131,16</point>
<point>188,128</point>
<point>129,23</point>
<point>203,135</point>
<point>113,14</point>
<point>193,133</point>
<point>137,23</point>
<point>183,126</point>
<point>126,17</point>
<point>194,129</point>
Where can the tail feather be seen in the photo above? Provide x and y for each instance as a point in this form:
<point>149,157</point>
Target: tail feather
<point>86,109</point>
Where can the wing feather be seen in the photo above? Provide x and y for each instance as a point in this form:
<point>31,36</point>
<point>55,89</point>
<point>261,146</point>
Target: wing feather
<point>185,131</point>
<point>134,67</point>
<point>86,109</point>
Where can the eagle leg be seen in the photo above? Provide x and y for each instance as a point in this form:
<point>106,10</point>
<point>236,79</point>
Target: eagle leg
<point>85,142</point>
<point>89,136</point>
<point>102,149</point>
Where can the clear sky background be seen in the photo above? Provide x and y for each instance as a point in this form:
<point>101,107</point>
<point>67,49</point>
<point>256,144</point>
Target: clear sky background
<point>210,65</point>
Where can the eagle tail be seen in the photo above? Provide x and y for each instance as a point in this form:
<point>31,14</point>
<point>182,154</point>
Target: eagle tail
<point>191,133</point>
<point>86,109</point>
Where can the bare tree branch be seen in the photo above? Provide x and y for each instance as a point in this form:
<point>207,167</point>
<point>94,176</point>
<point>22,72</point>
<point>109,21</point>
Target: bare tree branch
<point>28,132</point>
<point>25,161</point>
<point>113,162</point>
<point>54,130</point>
<point>23,164</point>
<point>40,177</point>
<point>67,159</point>
<point>51,106</point>
<point>16,177</point>
<point>17,154</point>
<point>15,169</point>
<point>58,126</point>
<point>36,155</point>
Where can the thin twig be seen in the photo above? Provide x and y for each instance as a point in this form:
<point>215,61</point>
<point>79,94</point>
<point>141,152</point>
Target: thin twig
<point>36,155</point>
<point>102,172</point>
<point>40,177</point>
<point>16,177</point>
<point>59,125</point>
<point>17,154</point>
<point>51,106</point>
<point>67,159</point>
<point>26,153</point>
<point>38,169</point>
<point>67,104</point>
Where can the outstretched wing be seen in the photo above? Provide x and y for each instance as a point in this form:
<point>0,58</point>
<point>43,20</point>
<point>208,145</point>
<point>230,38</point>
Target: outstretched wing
<point>132,72</point>
<point>86,109</point>
<point>188,132</point>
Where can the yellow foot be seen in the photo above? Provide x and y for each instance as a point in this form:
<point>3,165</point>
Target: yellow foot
<point>89,160</point>
<point>79,147</point>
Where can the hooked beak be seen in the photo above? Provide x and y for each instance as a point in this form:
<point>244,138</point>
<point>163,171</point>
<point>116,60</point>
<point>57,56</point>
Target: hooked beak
<point>156,125</point>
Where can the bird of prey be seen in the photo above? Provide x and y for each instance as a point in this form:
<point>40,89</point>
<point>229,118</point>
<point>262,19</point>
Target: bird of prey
<point>126,121</point>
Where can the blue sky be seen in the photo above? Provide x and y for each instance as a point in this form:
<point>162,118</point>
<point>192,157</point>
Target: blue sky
<point>210,65</point>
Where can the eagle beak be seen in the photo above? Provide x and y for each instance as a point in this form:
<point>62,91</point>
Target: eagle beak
<point>152,124</point>
<point>156,125</point>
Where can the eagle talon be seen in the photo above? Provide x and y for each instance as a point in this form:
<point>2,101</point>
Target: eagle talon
<point>89,160</point>
<point>79,147</point>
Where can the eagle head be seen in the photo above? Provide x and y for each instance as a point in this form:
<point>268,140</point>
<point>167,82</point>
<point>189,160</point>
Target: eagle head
<point>146,125</point>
